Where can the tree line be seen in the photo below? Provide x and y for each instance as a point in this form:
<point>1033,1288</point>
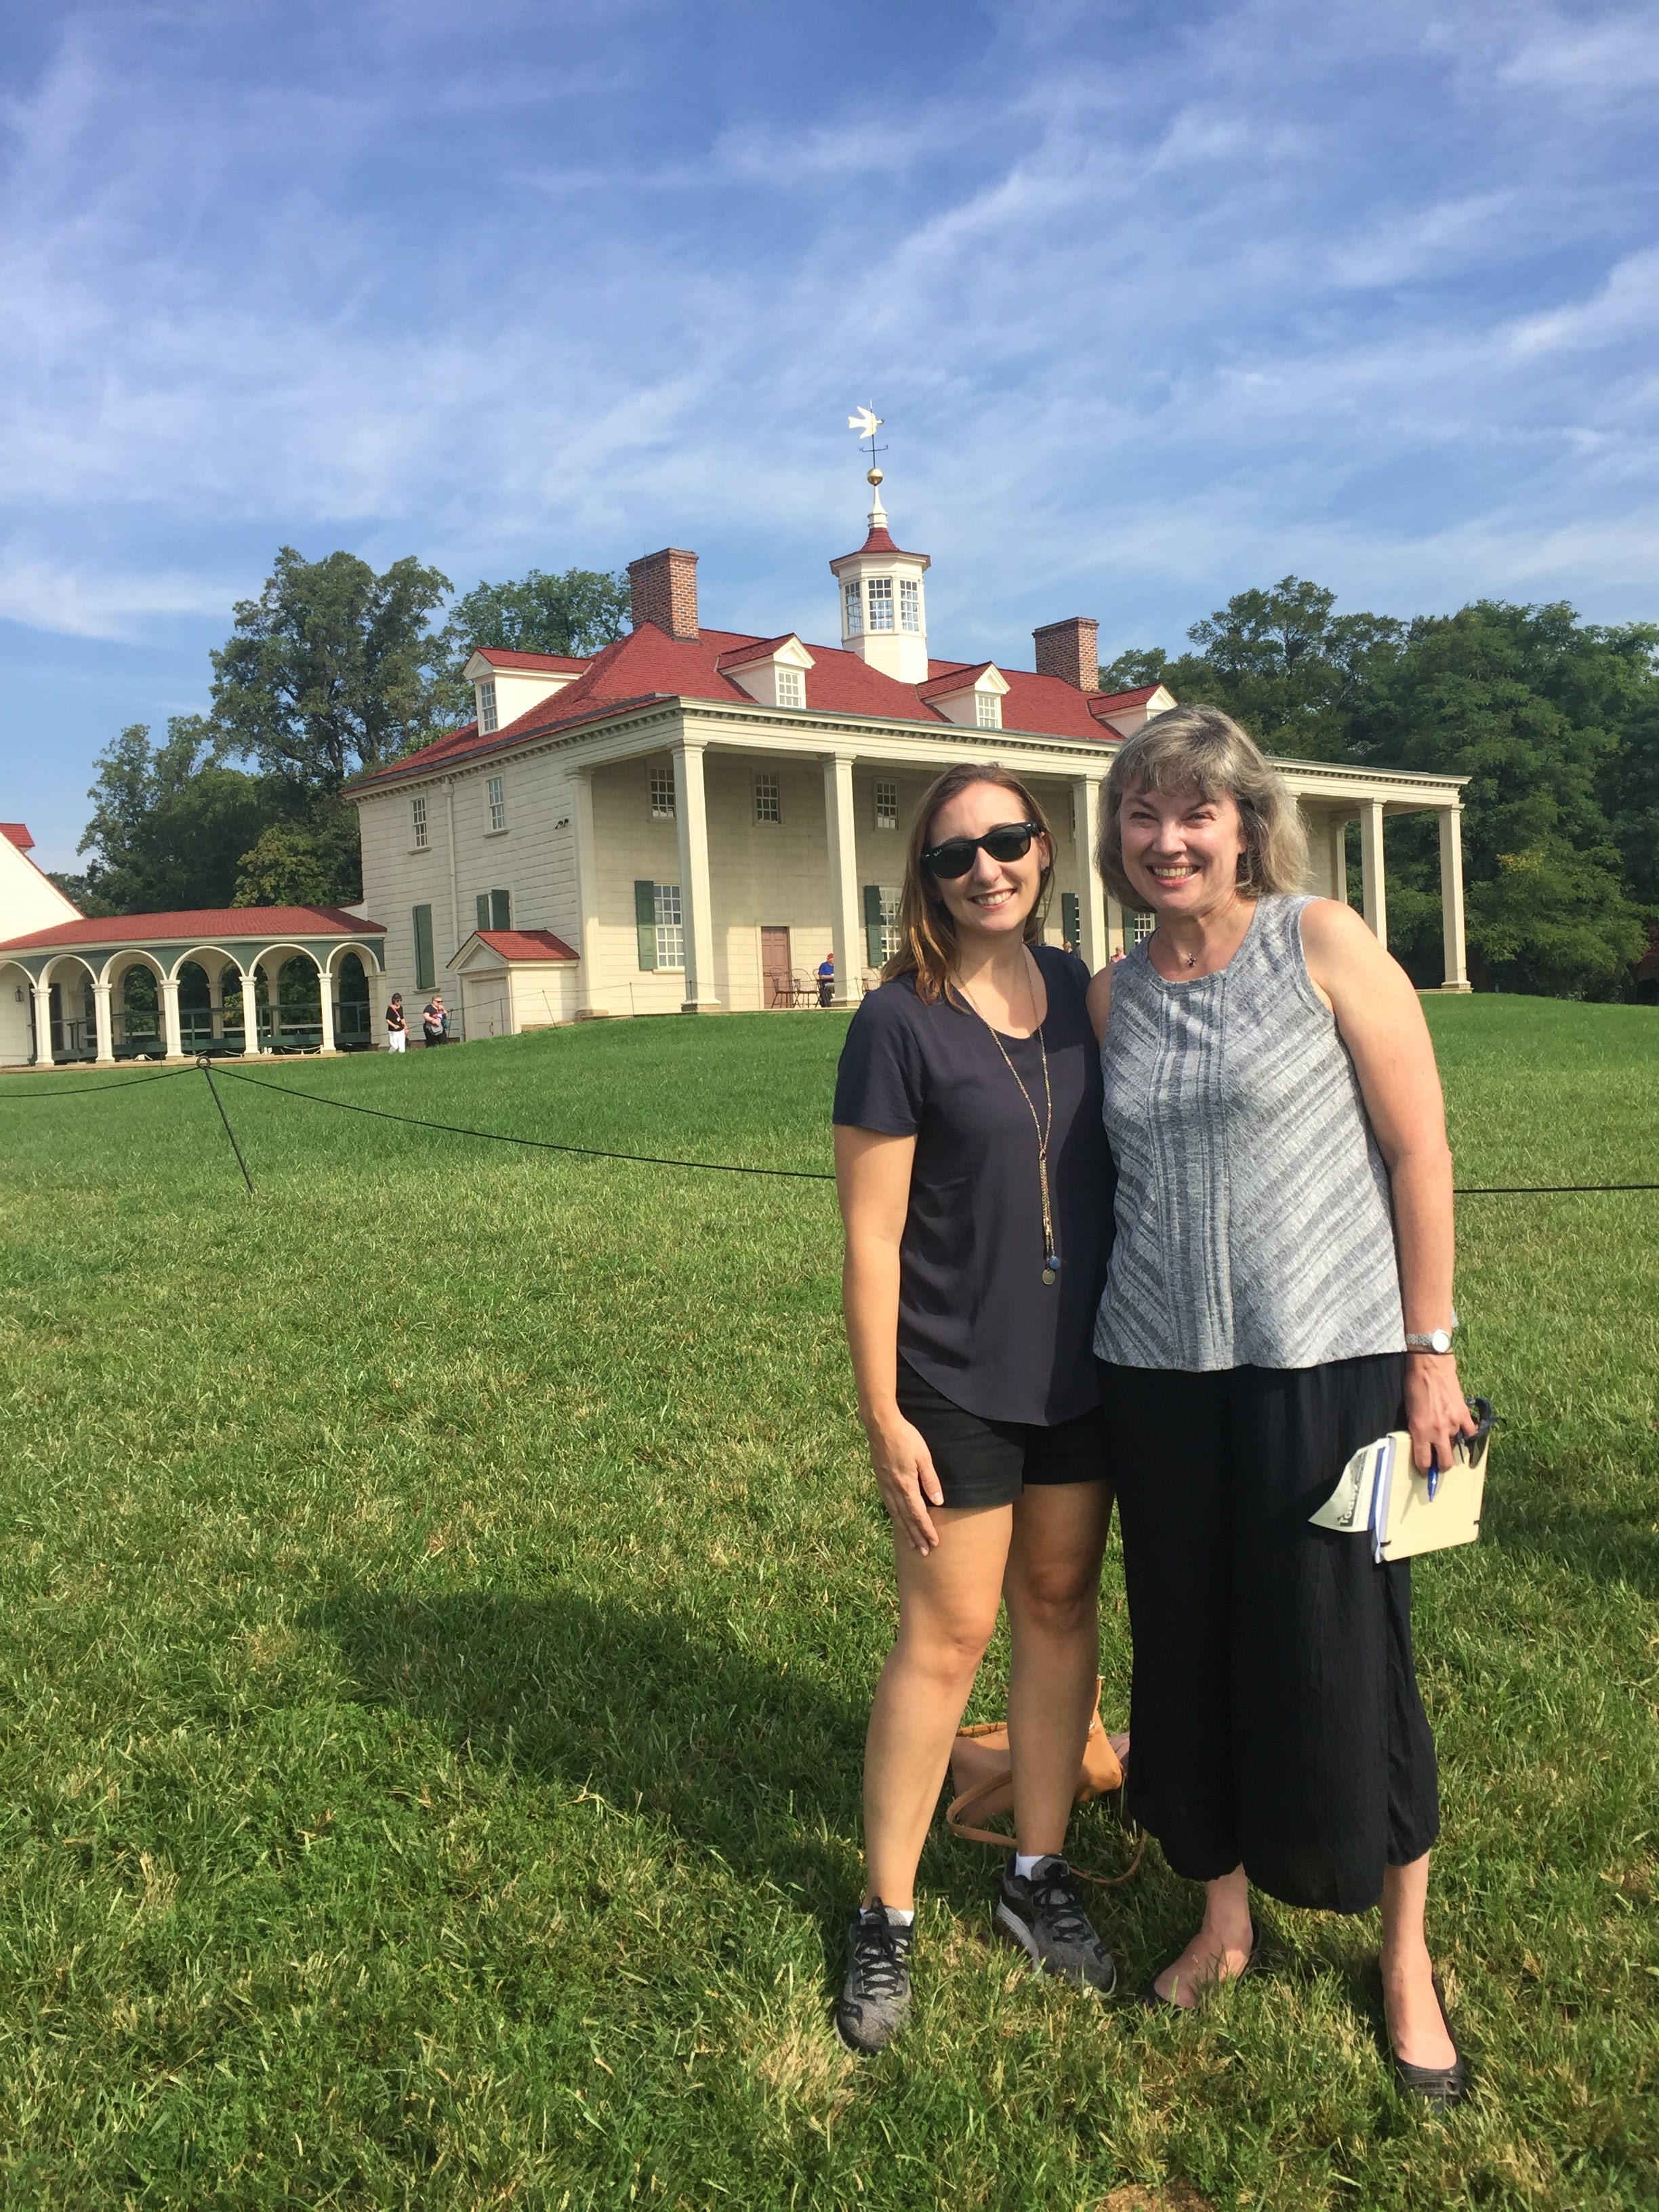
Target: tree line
<point>334,669</point>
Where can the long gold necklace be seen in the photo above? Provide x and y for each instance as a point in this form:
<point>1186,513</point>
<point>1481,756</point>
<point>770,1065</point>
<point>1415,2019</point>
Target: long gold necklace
<point>1044,1128</point>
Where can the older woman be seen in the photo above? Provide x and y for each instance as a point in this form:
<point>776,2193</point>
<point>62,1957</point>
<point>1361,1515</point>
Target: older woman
<point>976,1187</point>
<point>1279,1294</point>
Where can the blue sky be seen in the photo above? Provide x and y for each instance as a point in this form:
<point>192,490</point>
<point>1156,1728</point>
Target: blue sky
<point>1159,302</point>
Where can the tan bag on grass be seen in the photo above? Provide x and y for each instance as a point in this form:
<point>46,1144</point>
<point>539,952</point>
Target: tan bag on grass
<point>982,1776</point>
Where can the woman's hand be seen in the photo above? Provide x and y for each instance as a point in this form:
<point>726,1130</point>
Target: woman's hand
<point>904,1470</point>
<point>1435,1410</point>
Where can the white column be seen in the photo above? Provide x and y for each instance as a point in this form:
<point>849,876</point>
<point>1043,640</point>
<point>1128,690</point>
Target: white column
<point>846,917</point>
<point>1451,898</point>
<point>1336,834</point>
<point>1371,870</point>
<point>696,915</point>
<point>43,1053</point>
<point>106,1026</point>
<point>251,1045</point>
<point>325,1001</point>
<point>1117,938</point>
<point>170,1028</point>
<point>588,892</point>
<point>274,1000</point>
<point>1091,891</point>
<point>216,1005</point>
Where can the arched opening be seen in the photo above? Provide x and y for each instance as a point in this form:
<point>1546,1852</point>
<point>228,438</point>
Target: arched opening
<point>291,1017</point>
<point>352,1029</point>
<point>135,1006</point>
<point>195,1008</point>
<point>74,1015</point>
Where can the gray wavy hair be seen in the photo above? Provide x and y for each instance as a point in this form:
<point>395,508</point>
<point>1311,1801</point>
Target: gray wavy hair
<point>1201,748</point>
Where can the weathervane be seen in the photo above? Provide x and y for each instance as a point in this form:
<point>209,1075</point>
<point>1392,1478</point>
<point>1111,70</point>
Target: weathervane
<point>867,422</point>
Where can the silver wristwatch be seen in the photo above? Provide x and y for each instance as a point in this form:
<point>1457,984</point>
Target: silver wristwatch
<point>1437,1339</point>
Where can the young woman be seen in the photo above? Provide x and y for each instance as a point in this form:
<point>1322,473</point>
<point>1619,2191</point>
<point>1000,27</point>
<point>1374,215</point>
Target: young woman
<point>975,1188</point>
<point>1279,1295</point>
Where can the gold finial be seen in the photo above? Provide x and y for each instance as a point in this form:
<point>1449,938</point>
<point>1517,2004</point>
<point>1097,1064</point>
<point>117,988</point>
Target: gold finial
<point>872,477</point>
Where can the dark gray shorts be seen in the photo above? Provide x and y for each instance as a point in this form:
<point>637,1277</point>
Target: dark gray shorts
<point>980,1462</point>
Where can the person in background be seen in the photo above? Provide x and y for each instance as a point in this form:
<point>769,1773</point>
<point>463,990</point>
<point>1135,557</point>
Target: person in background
<point>1279,1295</point>
<point>397,1024</point>
<point>975,1188</point>
<point>826,979</point>
<point>435,1020</point>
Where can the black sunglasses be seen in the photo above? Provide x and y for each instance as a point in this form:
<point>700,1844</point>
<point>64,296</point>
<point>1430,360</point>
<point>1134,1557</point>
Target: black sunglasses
<point>1009,840</point>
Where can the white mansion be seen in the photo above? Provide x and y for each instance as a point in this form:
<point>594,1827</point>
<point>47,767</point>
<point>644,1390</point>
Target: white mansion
<point>691,819</point>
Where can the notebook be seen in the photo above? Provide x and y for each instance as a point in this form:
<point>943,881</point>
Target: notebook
<point>1381,1493</point>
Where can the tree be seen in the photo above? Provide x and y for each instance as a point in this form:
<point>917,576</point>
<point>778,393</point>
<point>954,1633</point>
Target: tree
<point>578,613</point>
<point>170,822</point>
<point>314,861</point>
<point>332,668</point>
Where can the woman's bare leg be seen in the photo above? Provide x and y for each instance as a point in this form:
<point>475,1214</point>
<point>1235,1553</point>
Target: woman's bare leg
<point>1218,1952</point>
<point>947,1609</point>
<point>1415,2026</point>
<point>1053,1589</point>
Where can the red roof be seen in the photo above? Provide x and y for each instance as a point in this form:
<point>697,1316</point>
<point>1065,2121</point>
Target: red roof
<point>762,649</point>
<point>959,676</point>
<point>552,664</point>
<point>880,541</point>
<point>1112,703</point>
<point>525,943</point>
<point>200,925</point>
<point>19,835</point>
<point>647,665</point>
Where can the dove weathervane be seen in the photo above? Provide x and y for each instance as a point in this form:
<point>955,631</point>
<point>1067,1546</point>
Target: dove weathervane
<point>867,422</point>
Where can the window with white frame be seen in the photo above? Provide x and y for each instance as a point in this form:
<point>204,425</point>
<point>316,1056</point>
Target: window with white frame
<point>670,932</point>
<point>792,688</point>
<point>909,605</point>
<point>662,796</point>
<point>988,710</point>
<point>417,825</point>
<point>893,938</point>
<point>768,795</point>
<point>887,806</point>
<point>881,603</point>
<point>1141,927</point>
<point>852,597</point>
<point>496,793</point>
<point>486,706</point>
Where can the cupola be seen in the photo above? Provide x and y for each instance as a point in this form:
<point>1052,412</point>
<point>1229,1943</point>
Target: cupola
<point>884,608</point>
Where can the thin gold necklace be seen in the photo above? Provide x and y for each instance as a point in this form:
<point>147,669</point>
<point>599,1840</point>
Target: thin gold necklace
<point>1044,1128</point>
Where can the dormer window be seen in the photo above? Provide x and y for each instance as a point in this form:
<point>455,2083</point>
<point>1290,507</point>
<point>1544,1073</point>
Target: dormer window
<point>852,599</point>
<point>988,710</point>
<point>792,688</point>
<point>881,603</point>
<point>909,605</point>
<point>486,706</point>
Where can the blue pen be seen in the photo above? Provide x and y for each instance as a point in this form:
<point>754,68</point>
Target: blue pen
<point>1434,1473</point>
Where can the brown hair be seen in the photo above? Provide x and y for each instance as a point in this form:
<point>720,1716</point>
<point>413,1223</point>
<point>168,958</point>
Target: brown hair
<point>929,930</point>
<point>1201,748</point>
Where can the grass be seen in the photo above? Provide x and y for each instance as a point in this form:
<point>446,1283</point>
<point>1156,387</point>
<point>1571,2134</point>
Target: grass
<point>441,1600</point>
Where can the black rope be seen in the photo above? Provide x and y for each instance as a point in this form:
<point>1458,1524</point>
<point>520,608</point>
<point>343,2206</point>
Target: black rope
<point>206,1067</point>
<point>96,1090</point>
<point>540,1144</point>
<point>1546,1189</point>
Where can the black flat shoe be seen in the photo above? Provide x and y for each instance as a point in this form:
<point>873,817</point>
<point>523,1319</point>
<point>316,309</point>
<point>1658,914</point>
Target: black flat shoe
<point>1443,2087</point>
<point>1151,1999</point>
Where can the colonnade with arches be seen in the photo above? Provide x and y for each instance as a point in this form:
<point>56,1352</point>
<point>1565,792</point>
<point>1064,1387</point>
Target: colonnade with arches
<point>105,1004</point>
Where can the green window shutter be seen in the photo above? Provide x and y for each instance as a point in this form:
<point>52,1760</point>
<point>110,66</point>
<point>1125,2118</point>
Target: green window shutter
<point>500,909</point>
<point>873,954</point>
<point>483,909</point>
<point>1070,918</point>
<point>426,971</point>
<point>645,914</point>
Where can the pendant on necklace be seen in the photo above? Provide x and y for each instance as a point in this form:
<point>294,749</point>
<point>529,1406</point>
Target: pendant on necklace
<point>1051,1273</point>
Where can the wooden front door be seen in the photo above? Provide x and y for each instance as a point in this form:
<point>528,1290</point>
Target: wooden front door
<point>776,977</point>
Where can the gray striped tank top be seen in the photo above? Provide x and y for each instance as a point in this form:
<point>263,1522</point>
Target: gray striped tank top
<point>1254,1225</point>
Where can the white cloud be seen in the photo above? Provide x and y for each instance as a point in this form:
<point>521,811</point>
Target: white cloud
<point>1618,56</point>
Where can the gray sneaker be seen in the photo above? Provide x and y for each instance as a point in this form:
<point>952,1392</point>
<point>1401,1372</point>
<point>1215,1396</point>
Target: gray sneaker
<point>1043,1914</point>
<point>875,1995</point>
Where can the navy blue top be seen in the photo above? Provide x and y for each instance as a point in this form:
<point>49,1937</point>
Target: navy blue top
<point>975,1317</point>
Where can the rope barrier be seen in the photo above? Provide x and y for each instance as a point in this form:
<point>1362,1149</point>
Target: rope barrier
<point>95,1090</point>
<point>656,1160</point>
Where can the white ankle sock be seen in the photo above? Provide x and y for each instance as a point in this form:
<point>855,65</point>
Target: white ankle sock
<point>1027,1862</point>
<point>897,1919</point>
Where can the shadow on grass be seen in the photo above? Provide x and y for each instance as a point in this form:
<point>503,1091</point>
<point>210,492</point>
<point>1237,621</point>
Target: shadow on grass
<point>1608,1547</point>
<point>654,1713</point>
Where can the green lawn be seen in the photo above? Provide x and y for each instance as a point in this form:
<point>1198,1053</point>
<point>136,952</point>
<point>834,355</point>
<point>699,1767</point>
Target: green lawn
<point>441,1600</point>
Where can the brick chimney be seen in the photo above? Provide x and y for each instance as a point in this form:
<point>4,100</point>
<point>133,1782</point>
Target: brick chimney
<point>664,589</point>
<point>1067,649</point>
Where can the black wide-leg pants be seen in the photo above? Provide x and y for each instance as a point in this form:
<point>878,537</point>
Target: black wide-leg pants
<point>1274,1718</point>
